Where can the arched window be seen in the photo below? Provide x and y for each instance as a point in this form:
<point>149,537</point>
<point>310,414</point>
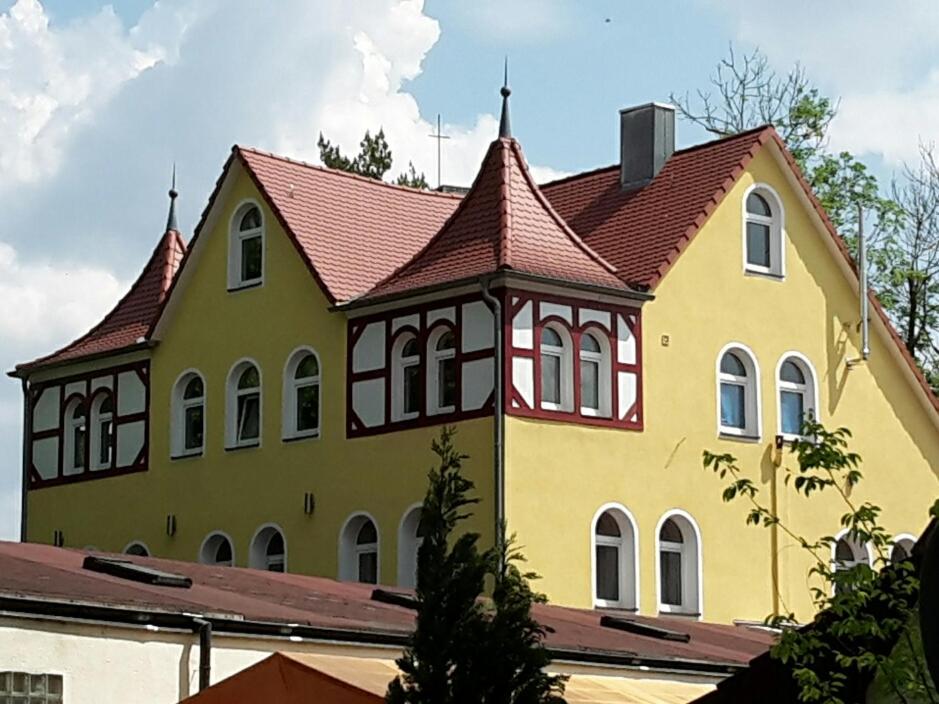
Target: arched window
<point>595,375</point>
<point>102,432</point>
<point>244,405</point>
<point>738,393</point>
<point>441,372</point>
<point>269,550</point>
<point>302,395</point>
<point>246,252</point>
<point>217,550</point>
<point>406,378</point>
<point>410,537</point>
<point>359,550</point>
<point>902,548</point>
<point>614,560</point>
<point>137,548</point>
<point>763,232</point>
<point>556,369</point>
<point>188,422</point>
<point>679,562</point>
<point>797,391</point>
<point>73,455</point>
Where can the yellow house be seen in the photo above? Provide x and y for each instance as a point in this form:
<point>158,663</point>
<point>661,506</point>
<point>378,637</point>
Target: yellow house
<point>268,398</point>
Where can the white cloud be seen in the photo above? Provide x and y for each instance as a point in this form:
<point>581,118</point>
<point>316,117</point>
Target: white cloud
<point>518,20</point>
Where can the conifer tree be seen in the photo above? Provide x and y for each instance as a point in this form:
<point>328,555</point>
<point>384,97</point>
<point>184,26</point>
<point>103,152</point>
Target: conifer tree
<point>373,160</point>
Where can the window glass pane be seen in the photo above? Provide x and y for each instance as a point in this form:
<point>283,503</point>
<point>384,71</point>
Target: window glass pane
<point>223,552</point>
<point>106,406</point>
<point>410,348</point>
<point>368,567</point>
<point>367,534</point>
<point>590,385</point>
<point>790,372</point>
<point>607,525</point>
<point>308,367</point>
<point>550,378</point>
<point>733,406</point>
<point>899,553</point>
<point>251,258</point>
<point>731,364</point>
<point>446,392</point>
<point>77,412</point>
<point>758,244</point>
<point>588,343</point>
<point>671,577</point>
<point>550,337</point>
<point>251,220</point>
<point>193,389</point>
<point>671,533</point>
<point>104,443</point>
<point>55,686</point>
<point>308,407</point>
<point>445,342</point>
<point>608,572</point>
<point>757,205</point>
<point>193,428</point>
<point>275,563</point>
<point>792,407</point>
<point>844,553</point>
<point>249,379</point>
<point>275,546</point>
<point>412,396</point>
<point>248,417</point>
<point>78,447</point>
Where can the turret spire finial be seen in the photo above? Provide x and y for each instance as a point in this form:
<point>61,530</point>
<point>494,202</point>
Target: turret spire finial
<point>505,124</point>
<point>171,218</point>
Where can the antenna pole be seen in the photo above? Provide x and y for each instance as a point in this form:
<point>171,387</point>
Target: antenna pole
<point>440,136</point>
<point>862,275</point>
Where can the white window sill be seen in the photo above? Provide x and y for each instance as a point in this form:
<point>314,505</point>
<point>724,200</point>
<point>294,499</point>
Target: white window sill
<point>243,285</point>
<point>735,434</point>
<point>305,435</point>
<point>595,413</point>
<point>753,270</point>
<point>187,454</point>
<point>405,416</point>
<point>665,610</point>
<point>243,446</point>
<point>614,606</point>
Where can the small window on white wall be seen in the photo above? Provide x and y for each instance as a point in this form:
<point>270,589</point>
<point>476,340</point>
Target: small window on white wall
<point>246,249</point>
<point>763,227</point>
<point>406,378</point>
<point>217,550</point>
<point>679,565</point>
<point>738,393</point>
<point>359,550</point>
<point>595,376</point>
<point>441,372</point>
<point>556,369</point>
<point>102,432</point>
<point>76,434</point>
<point>302,395</point>
<point>796,395</point>
<point>188,423</point>
<point>614,560</point>
<point>269,550</point>
<point>244,405</point>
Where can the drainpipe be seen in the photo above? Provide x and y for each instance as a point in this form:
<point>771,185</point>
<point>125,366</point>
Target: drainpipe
<point>204,629</point>
<point>498,415</point>
<point>27,441</point>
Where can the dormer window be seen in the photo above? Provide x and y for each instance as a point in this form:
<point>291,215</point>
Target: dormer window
<point>246,253</point>
<point>763,243</point>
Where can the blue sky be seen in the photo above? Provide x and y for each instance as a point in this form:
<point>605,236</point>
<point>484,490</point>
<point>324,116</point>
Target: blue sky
<point>97,101</point>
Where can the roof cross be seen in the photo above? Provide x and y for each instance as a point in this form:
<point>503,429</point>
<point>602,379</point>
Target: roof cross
<point>440,136</point>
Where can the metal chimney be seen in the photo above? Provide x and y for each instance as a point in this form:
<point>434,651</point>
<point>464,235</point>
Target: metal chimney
<point>647,140</point>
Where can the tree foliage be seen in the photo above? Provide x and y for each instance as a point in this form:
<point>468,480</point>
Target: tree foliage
<point>864,610</point>
<point>373,160</point>
<point>466,649</point>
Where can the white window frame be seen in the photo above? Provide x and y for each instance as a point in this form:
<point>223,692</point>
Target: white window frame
<point>753,411</point>
<point>434,357</point>
<point>399,364</point>
<point>257,553</point>
<point>178,418</point>
<point>777,230</point>
<point>565,355</point>
<point>905,540</point>
<point>232,394</point>
<point>235,239</point>
<point>68,441</point>
<point>809,390</point>
<point>604,373</point>
<point>210,546</point>
<point>692,586</point>
<point>292,386</point>
<point>93,436</point>
<point>137,543</point>
<point>628,545</point>
<point>349,551</point>
<point>408,545</point>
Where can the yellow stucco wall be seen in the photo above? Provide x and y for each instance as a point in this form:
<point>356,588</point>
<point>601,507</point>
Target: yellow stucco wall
<point>558,475</point>
<point>237,491</point>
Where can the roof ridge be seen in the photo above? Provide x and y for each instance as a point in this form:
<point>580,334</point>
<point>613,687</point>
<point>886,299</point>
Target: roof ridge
<point>347,174</point>
<point>505,206</point>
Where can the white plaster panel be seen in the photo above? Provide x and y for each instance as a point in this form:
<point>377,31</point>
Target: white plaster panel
<point>625,342</point>
<point>368,401</point>
<point>46,457</point>
<point>523,379</point>
<point>131,394</point>
<point>46,409</point>
<point>565,313</point>
<point>448,314</point>
<point>477,326</point>
<point>477,383</point>
<point>523,335</point>
<point>129,442</point>
<point>601,317</point>
<point>627,393</point>
<point>102,382</point>
<point>369,350</point>
<point>76,387</point>
<point>413,321</point>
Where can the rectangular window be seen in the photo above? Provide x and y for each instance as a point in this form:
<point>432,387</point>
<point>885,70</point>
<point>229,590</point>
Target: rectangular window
<point>308,408</point>
<point>412,389</point>
<point>758,244</point>
<point>446,380</point>
<point>792,406</point>
<point>671,577</point>
<point>251,255</point>
<point>733,406</point>
<point>368,567</point>
<point>590,385</point>
<point>24,688</point>
<point>608,572</point>
<point>104,444</point>
<point>78,447</point>
<point>550,379</point>
<point>249,411</point>
<point>194,428</point>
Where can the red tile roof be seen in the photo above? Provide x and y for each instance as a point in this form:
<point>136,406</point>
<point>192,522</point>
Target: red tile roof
<point>127,324</point>
<point>31,572</point>
<point>503,223</point>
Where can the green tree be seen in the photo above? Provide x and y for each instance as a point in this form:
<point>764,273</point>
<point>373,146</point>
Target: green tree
<point>465,648</point>
<point>373,160</point>
<point>864,611</point>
